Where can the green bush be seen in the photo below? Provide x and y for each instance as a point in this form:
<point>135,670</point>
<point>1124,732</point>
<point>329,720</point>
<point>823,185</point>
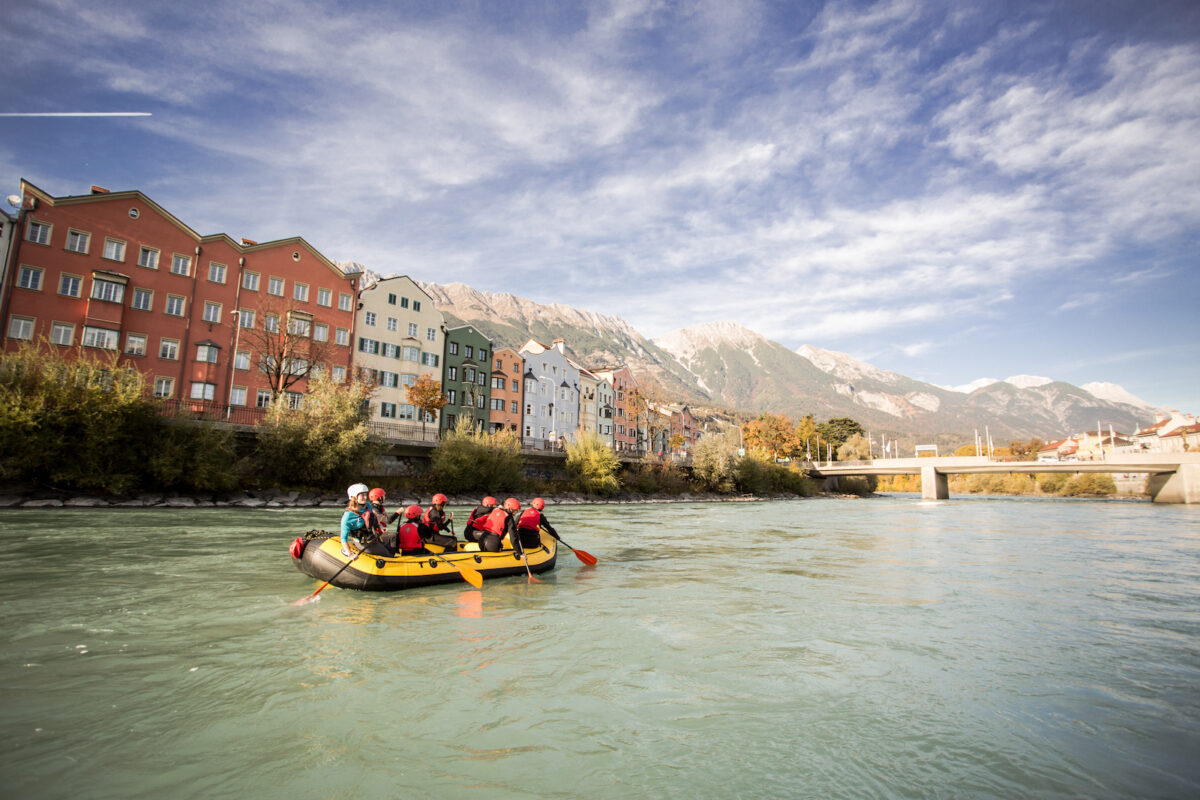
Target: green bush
<point>1052,482</point>
<point>470,460</point>
<point>1089,483</point>
<point>592,464</point>
<point>322,443</point>
<point>757,476</point>
<point>656,477</point>
<point>714,463</point>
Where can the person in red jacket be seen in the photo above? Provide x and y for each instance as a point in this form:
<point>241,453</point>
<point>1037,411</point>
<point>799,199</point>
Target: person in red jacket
<point>408,535</point>
<point>382,518</point>
<point>502,521</point>
<point>434,521</point>
<point>474,525</point>
<point>531,520</point>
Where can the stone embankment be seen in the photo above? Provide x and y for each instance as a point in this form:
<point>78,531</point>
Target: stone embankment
<point>273,498</point>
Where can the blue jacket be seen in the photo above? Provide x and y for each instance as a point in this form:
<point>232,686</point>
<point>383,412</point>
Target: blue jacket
<point>353,521</point>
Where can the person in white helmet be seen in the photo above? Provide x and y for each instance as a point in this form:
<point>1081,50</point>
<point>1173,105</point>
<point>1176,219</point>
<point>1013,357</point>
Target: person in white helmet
<point>358,520</point>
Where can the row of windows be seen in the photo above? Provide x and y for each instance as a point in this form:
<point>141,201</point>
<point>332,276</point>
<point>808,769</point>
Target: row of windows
<point>401,411</point>
<point>181,264</point>
<point>403,302</point>
<point>375,347</point>
<point>498,383</point>
<point>516,367</point>
<point>393,324</point>
<point>468,351</point>
<point>469,375</point>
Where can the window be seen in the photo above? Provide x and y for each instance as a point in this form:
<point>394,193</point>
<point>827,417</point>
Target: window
<point>108,291</point>
<point>295,400</point>
<point>516,368</point>
<point>143,299</point>
<point>250,281</point>
<point>70,285</point>
<point>203,391</point>
<point>369,346</point>
<point>30,278</point>
<point>451,396</point>
<point>62,333</point>
<point>431,334</point>
<point>246,318</point>
<point>242,360</point>
<point>181,265</point>
<point>345,302</point>
<point>408,411</point>
<point>148,257</point>
<point>497,404</point>
<point>391,299</point>
<point>164,387</point>
<point>404,302</point>
<point>237,397</point>
<point>324,297</point>
<point>499,365</point>
<point>77,241</point>
<point>342,336</point>
<point>299,324</point>
<point>410,354</point>
<point>412,329</point>
<point>430,359</point>
<point>114,250</point>
<point>469,374</point>
<point>453,348</point>
<point>262,399</point>
<point>408,379</point>
<point>369,318</point>
<point>339,374</point>
<point>480,400</point>
<point>387,410</point>
<point>168,349</point>
<point>468,351</point>
<point>320,332</point>
<point>516,386</point>
<point>389,379</point>
<point>416,305</point>
<point>271,323</point>
<point>300,292</point>
<point>498,383</point>
<point>206,353</point>
<point>216,272</point>
<point>514,407</point>
<point>275,286</point>
<point>451,373</point>
<point>175,305</point>
<point>101,338</point>
<point>38,233</point>
<point>212,311</point>
<point>483,355</point>
<point>135,344</point>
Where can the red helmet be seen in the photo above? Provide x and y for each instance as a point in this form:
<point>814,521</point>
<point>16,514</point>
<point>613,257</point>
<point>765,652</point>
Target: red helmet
<point>412,512</point>
<point>512,504</point>
<point>377,495</point>
<point>538,503</point>
<point>490,502</point>
<point>439,498</point>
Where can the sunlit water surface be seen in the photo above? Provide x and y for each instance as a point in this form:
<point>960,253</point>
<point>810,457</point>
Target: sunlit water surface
<point>826,648</point>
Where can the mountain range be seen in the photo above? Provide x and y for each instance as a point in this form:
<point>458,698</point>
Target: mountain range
<point>717,366</point>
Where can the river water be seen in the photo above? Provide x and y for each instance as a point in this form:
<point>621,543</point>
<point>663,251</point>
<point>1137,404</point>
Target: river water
<point>826,648</point>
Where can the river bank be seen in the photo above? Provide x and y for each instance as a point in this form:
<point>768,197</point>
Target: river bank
<point>15,497</point>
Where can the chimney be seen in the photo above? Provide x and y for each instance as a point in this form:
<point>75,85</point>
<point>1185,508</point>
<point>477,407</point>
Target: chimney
<point>248,241</point>
<point>560,345</point>
<point>99,189</point>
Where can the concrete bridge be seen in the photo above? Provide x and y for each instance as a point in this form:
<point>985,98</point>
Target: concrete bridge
<point>1174,477</point>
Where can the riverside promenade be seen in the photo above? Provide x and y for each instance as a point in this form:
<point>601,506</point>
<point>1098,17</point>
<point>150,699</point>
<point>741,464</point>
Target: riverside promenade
<point>1175,477</point>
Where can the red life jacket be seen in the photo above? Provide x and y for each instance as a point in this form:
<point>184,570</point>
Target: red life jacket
<point>380,518</point>
<point>530,520</point>
<point>495,522</point>
<point>426,521</point>
<point>409,538</point>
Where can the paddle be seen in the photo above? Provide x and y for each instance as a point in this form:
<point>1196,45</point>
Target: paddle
<point>304,600</point>
<point>469,575</point>
<point>582,555</point>
<point>528,571</point>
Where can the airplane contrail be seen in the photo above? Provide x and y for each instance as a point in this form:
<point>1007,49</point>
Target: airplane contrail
<point>75,114</point>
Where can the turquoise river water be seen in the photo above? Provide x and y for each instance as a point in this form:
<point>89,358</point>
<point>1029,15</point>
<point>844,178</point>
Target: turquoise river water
<point>825,648</point>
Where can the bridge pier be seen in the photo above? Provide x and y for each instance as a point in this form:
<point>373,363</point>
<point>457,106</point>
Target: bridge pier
<point>1181,486</point>
<point>934,485</point>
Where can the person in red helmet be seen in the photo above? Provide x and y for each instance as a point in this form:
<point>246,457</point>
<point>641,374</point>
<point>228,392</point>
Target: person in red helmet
<point>408,535</point>
<point>382,518</point>
<point>531,520</point>
<point>434,521</point>
<point>474,524</point>
<point>502,521</point>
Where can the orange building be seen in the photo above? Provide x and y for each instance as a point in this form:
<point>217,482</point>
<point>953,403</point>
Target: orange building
<point>506,398</point>
<point>206,319</point>
<point>625,426</point>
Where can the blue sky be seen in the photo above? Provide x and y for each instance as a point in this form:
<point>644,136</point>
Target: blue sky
<point>946,190</point>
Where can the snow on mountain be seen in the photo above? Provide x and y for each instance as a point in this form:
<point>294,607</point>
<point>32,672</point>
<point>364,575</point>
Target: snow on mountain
<point>685,343</point>
<point>1028,381</point>
<point>967,388</point>
<point>844,366</point>
<point>1115,394</point>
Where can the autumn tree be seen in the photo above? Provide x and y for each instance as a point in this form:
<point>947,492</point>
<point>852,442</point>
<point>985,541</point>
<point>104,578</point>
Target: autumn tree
<point>806,433</point>
<point>426,396</point>
<point>281,344</point>
<point>772,434</point>
<point>837,430</point>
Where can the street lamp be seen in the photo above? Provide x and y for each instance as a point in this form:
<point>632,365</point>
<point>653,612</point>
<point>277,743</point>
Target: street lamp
<point>237,330</point>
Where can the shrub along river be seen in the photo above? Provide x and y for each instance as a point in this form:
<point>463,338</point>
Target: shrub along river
<point>887,647</point>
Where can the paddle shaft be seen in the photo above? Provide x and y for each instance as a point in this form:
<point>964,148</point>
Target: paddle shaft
<point>582,555</point>
<point>339,572</point>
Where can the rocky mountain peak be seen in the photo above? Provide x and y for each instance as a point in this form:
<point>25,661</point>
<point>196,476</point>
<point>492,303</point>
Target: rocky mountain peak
<point>685,343</point>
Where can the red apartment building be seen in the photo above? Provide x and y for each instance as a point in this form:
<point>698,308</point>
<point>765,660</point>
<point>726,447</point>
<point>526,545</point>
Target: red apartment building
<point>507,394</point>
<point>625,433</point>
<point>115,272</point>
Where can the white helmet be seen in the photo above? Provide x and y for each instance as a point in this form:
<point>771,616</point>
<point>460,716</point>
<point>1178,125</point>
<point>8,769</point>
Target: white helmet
<point>356,489</point>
